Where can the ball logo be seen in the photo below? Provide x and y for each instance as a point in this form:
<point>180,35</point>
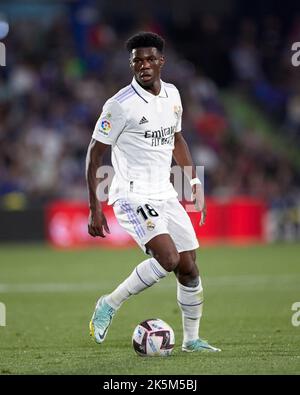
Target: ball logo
<point>152,345</point>
<point>154,325</point>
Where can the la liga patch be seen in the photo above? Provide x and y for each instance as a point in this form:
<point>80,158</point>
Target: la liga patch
<point>105,126</point>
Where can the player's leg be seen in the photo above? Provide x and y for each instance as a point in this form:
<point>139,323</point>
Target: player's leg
<point>190,301</point>
<point>189,295</point>
<point>189,285</point>
<point>164,260</point>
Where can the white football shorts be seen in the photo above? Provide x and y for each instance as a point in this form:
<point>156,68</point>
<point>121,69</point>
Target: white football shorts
<point>144,219</point>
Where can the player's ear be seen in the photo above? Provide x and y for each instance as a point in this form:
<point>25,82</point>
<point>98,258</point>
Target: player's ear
<point>161,61</point>
<point>130,62</point>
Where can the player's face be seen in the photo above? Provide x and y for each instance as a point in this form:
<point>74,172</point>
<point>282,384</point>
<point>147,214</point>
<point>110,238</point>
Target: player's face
<point>146,64</point>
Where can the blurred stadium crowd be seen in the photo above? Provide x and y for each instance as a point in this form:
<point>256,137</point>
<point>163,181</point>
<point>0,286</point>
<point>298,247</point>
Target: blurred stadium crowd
<point>241,99</point>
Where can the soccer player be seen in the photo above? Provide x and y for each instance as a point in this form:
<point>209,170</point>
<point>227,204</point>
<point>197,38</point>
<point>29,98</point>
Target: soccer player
<point>142,123</point>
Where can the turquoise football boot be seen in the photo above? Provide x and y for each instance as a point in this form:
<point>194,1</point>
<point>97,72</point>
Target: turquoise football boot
<point>199,345</point>
<point>101,320</point>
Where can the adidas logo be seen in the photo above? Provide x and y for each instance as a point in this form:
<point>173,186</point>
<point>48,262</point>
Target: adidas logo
<point>143,120</point>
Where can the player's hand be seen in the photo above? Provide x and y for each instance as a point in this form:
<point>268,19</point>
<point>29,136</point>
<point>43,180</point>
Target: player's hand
<point>97,224</point>
<point>199,201</point>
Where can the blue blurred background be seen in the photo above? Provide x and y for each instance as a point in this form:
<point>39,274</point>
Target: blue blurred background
<point>230,60</point>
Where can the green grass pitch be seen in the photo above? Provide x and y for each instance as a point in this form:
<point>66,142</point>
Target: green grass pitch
<point>50,295</point>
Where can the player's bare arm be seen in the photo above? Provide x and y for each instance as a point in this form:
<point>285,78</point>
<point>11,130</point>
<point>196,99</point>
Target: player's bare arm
<point>183,158</point>
<point>97,222</point>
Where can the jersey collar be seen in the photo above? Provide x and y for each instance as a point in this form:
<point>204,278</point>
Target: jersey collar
<point>147,96</point>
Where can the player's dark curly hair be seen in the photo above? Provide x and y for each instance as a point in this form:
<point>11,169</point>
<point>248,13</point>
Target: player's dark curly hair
<point>145,39</point>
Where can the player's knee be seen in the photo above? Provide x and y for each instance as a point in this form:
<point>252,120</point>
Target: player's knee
<point>188,275</point>
<point>170,261</point>
<point>189,281</point>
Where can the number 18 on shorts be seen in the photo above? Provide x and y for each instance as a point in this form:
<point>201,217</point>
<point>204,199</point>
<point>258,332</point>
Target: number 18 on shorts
<point>144,219</point>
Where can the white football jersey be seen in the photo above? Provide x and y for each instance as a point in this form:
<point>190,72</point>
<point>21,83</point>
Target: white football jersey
<point>140,127</point>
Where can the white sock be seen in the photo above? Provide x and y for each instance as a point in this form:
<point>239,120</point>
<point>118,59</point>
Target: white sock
<point>190,301</point>
<point>143,276</point>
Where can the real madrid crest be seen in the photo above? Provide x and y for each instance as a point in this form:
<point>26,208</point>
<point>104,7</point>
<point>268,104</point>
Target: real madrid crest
<point>150,225</point>
<point>177,111</point>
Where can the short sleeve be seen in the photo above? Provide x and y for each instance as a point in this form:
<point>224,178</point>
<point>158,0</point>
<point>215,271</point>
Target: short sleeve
<point>179,111</point>
<point>110,123</point>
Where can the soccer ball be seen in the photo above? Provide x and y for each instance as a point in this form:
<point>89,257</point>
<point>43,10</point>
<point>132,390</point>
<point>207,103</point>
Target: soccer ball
<point>152,338</point>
